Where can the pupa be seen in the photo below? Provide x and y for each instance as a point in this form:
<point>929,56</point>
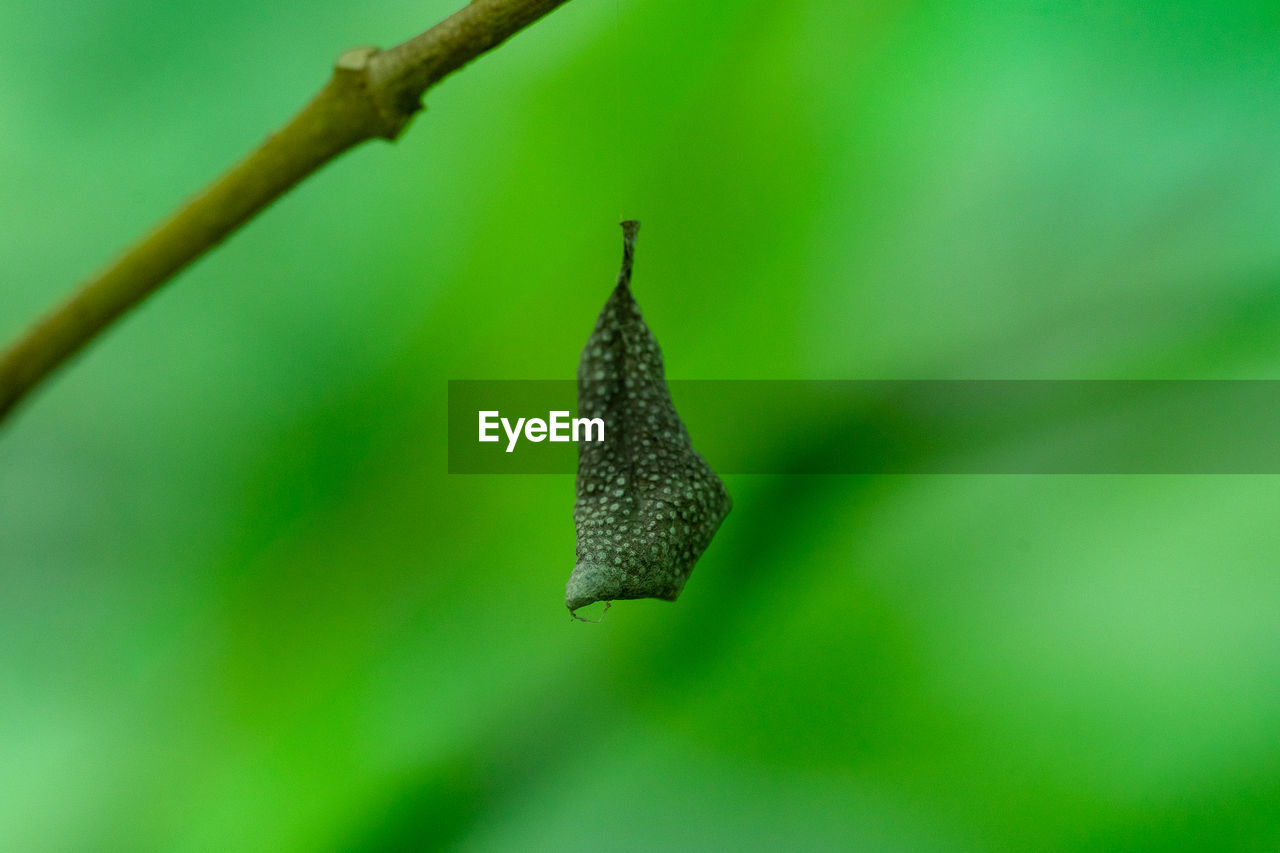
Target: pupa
<point>647,503</point>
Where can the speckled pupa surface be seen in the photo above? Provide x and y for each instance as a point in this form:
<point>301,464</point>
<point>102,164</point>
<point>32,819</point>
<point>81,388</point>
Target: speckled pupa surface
<point>647,504</point>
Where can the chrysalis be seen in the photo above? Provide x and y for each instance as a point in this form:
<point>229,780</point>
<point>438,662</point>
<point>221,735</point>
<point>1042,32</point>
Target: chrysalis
<point>647,504</point>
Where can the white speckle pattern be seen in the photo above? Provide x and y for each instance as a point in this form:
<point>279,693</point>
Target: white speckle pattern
<point>644,474</point>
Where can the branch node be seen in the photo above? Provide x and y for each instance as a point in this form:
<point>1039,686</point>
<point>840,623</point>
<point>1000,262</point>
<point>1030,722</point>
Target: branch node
<point>353,72</point>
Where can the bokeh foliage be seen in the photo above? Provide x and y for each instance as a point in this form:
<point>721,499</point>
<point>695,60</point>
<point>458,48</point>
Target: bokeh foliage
<point>242,606</point>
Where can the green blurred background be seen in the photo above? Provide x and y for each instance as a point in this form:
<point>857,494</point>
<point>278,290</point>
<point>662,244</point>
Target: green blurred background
<point>243,607</point>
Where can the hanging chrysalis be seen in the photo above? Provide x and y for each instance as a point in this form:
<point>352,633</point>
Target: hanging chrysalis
<point>647,503</point>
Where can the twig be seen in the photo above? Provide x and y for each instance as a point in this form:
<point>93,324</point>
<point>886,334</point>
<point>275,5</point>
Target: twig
<point>372,94</point>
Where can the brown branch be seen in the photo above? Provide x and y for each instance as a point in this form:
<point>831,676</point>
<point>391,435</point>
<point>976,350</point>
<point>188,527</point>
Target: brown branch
<point>371,94</point>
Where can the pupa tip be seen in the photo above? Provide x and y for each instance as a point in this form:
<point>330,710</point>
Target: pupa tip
<point>630,228</point>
